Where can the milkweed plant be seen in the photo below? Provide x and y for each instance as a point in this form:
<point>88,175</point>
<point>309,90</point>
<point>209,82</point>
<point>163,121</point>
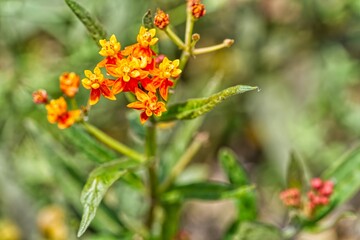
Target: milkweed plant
<point>148,78</point>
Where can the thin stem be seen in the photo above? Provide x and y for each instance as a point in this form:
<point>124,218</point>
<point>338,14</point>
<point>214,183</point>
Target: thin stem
<point>113,143</point>
<point>185,159</point>
<point>225,44</point>
<point>150,145</point>
<point>188,35</point>
<point>174,38</point>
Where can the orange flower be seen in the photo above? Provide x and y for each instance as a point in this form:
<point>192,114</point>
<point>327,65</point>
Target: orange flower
<point>146,38</point>
<point>57,113</point>
<point>40,96</point>
<point>98,85</point>
<point>167,69</point>
<point>129,72</point>
<point>161,19</point>
<point>148,103</point>
<point>69,83</point>
<point>141,49</point>
<point>109,48</point>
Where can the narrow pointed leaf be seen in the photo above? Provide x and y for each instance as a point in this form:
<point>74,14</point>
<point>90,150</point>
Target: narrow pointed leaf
<point>204,191</point>
<point>345,173</point>
<point>246,203</point>
<point>295,174</point>
<point>194,108</point>
<point>93,26</point>
<point>232,167</point>
<point>148,20</point>
<point>99,181</point>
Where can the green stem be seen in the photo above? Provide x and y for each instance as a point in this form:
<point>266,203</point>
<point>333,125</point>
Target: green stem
<point>150,147</point>
<point>113,143</point>
<point>174,38</point>
<point>225,44</point>
<point>188,36</point>
<point>184,160</point>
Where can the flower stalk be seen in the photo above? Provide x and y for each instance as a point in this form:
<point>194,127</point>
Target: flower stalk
<point>113,143</point>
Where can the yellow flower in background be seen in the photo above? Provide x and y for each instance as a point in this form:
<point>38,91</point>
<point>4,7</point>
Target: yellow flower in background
<point>57,113</point>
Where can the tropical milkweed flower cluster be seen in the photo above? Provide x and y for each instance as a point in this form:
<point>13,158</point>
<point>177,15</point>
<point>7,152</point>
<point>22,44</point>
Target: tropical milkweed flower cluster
<point>57,109</point>
<point>137,69</point>
<point>319,195</point>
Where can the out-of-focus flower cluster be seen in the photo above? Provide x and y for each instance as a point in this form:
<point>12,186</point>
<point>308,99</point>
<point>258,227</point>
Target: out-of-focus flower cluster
<point>137,69</point>
<point>319,195</point>
<point>57,109</point>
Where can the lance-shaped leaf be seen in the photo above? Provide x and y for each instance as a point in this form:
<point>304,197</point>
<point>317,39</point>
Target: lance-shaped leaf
<point>345,173</point>
<point>204,191</point>
<point>98,183</point>
<point>295,176</point>
<point>194,108</point>
<point>93,26</point>
<point>148,20</point>
<point>246,203</point>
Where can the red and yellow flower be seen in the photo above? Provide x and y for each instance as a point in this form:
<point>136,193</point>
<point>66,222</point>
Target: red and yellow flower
<point>148,103</point>
<point>57,113</point>
<point>98,85</point>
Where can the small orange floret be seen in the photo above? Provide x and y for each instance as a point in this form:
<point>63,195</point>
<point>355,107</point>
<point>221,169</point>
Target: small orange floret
<point>57,113</point>
<point>148,103</point>
<point>98,85</point>
<point>69,83</point>
<point>161,19</point>
<point>40,96</point>
<point>109,48</point>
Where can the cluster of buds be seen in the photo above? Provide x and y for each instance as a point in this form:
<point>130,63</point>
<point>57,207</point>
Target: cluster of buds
<point>57,109</point>
<point>196,8</point>
<point>318,195</point>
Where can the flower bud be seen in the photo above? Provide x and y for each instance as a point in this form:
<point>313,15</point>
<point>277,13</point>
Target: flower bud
<point>161,19</point>
<point>316,183</point>
<point>40,96</point>
<point>198,10</point>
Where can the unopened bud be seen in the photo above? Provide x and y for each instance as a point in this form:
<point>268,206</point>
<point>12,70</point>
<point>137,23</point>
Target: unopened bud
<point>198,10</point>
<point>40,96</point>
<point>161,19</point>
<point>229,42</point>
<point>316,183</point>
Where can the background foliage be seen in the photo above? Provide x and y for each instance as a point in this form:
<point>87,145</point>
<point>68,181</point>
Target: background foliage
<point>304,55</point>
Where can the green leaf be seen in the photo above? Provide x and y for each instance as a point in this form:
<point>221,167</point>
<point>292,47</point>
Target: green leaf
<point>255,231</point>
<point>203,191</point>
<point>194,108</point>
<point>98,183</point>
<point>93,26</point>
<point>232,168</point>
<point>295,176</point>
<point>345,173</point>
<point>246,203</point>
<point>148,20</point>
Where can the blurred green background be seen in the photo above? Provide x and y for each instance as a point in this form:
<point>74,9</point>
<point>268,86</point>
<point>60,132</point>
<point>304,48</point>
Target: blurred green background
<point>303,54</point>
